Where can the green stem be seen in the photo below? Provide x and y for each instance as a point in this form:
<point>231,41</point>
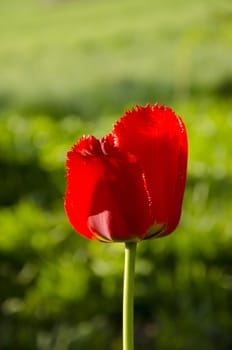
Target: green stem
<point>128,296</point>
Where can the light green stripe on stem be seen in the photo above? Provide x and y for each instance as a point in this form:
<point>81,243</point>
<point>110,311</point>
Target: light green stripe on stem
<point>128,296</point>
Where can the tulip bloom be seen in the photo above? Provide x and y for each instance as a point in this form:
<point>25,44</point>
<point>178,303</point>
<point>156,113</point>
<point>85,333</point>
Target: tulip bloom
<point>129,185</point>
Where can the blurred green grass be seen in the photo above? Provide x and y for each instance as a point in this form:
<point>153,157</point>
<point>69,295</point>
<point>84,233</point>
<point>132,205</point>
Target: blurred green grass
<point>69,68</point>
<point>85,57</point>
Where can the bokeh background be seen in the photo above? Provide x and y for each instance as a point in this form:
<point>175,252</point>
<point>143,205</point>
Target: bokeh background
<point>69,68</point>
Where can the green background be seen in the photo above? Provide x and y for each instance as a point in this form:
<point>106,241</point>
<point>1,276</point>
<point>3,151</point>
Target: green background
<point>69,68</point>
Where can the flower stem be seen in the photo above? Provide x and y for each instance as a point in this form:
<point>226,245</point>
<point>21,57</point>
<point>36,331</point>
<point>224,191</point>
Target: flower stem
<point>128,296</point>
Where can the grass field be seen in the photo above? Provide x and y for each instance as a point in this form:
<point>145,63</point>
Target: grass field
<point>69,68</point>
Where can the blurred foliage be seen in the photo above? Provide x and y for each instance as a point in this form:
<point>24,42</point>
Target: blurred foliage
<point>70,68</point>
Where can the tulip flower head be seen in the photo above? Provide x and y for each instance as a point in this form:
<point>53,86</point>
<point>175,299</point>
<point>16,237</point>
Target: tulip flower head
<point>129,185</point>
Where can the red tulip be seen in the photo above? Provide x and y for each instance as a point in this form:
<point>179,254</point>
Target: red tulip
<point>129,185</point>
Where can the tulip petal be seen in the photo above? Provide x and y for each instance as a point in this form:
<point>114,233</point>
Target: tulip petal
<point>157,138</point>
<point>106,198</point>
